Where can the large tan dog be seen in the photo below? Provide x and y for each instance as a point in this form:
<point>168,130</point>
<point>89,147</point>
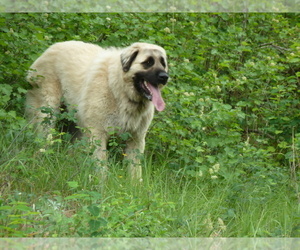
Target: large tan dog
<point>110,88</point>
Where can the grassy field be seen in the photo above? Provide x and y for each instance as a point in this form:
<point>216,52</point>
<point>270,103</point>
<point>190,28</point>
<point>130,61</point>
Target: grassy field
<point>49,188</point>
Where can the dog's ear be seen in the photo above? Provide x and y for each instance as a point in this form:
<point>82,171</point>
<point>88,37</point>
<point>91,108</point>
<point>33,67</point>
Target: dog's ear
<point>127,57</point>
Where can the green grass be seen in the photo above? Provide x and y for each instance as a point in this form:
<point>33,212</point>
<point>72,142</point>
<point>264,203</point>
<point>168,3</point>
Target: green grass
<point>54,192</point>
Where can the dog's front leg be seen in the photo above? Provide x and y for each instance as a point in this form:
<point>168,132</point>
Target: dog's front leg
<point>100,154</point>
<point>135,147</point>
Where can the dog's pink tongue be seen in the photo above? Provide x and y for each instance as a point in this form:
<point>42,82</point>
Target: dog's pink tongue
<point>156,98</point>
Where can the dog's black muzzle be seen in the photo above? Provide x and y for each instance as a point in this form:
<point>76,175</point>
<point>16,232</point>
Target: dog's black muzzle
<point>162,77</point>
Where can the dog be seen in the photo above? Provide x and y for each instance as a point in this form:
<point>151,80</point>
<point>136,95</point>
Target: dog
<point>110,88</point>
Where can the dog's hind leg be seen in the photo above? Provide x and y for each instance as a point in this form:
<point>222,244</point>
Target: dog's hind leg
<point>42,103</point>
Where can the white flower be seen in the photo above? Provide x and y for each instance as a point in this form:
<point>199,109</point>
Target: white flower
<point>216,167</point>
<point>214,177</point>
<point>42,150</point>
<point>50,139</point>
<point>108,19</point>
<point>221,224</point>
<point>167,30</point>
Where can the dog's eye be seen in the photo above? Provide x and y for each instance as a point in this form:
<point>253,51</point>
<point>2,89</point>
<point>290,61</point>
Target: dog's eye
<point>162,61</point>
<point>149,62</point>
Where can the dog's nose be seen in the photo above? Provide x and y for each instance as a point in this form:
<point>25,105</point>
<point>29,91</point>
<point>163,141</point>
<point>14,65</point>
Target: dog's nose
<point>163,77</point>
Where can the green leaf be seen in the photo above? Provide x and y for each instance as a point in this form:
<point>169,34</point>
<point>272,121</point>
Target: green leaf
<point>73,184</point>
<point>94,210</point>
<point>96,224</point>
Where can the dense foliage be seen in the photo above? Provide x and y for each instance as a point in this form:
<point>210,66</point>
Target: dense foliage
<point>233,101</point>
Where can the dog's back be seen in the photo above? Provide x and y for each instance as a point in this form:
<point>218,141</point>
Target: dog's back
<point>61,69</point>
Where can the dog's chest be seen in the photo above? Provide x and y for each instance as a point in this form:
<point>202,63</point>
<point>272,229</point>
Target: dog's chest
<point>132,122</point>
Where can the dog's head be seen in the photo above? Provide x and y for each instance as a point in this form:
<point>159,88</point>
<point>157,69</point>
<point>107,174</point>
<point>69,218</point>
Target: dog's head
<point>145,66</point>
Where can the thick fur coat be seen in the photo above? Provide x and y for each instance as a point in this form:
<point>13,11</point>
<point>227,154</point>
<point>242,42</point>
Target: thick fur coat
<point>110,88</point>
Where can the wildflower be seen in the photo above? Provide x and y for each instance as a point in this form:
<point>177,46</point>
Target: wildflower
<point>244,78</point>
<point>216,167</point>
<point>211,171</point>
<point>47,38</point>
<point>186,93</point>
<point>173,20</point>
<point>218,88</point>
<point>214,177</point>
<point>50,139</point>
<point>167,30</point>
<point>221,224</point>
<point>186,60</point>
<point>200,173</point>
<point>42,150</point>
<point>272,64</point>
<point>208,222</point>
<point>173,8</point>
<point>141,180</point>
<point>108,7</point>
<point>108,19</point>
